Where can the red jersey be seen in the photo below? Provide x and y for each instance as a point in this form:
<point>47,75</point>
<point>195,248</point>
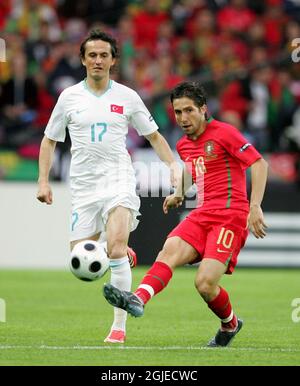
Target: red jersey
<point>217,161</point>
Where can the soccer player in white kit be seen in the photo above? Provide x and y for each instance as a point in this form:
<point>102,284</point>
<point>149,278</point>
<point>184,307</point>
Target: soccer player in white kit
<point>97,112</point>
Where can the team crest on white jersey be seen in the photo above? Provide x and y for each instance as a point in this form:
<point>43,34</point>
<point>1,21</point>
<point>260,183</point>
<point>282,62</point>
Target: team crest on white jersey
<point>117,109</point>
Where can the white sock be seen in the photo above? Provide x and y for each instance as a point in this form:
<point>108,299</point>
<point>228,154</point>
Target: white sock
<point>121,278</point>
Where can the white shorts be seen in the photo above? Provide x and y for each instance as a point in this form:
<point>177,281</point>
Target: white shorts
<point>89,218</point>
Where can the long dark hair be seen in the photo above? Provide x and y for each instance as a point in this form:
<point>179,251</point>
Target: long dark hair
<point>99,35</point>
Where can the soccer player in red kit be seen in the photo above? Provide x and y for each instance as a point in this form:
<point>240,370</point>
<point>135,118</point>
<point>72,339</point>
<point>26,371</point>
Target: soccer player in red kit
<point>216,156</point>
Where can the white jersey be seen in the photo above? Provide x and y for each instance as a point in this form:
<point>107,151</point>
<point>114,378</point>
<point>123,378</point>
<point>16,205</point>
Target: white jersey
<point>98,126</point>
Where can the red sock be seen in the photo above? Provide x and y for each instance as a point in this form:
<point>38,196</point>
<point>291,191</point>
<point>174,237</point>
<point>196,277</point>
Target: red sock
<point>155,280</point>
<point>230,326</point>
<point>221,306</point>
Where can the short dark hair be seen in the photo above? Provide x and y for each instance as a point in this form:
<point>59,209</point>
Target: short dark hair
<point>192,90</point>
<point>99,35</point>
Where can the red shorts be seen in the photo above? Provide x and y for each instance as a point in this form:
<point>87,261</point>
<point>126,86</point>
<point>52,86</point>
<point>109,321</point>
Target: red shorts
<point>216,234</point>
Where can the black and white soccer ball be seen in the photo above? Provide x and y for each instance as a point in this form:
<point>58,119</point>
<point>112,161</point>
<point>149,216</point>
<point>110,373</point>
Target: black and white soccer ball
<point>89,260</point>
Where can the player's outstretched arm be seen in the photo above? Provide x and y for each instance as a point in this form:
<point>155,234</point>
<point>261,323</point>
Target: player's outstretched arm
<point>47,148</point>
<point>163,150</point>
<point>256,222</point>
<point>175,200</point>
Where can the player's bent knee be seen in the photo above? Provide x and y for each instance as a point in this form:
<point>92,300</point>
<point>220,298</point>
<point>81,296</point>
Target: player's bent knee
<point>117,250</point>
<point>169,258</point>
<point>204,286</point>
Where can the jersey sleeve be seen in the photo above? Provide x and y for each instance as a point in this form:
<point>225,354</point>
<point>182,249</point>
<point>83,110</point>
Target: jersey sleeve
<point>239,147</point>
<point>141,118</point>
<point>56,127</point>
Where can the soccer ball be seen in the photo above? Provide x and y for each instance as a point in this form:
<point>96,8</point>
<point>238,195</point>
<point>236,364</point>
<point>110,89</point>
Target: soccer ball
<point>89,260</point>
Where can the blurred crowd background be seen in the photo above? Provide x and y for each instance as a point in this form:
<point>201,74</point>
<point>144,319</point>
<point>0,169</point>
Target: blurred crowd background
<point>241,50</point>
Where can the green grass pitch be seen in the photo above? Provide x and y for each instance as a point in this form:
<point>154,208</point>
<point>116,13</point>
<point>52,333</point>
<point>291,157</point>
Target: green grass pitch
<point>54,319</point>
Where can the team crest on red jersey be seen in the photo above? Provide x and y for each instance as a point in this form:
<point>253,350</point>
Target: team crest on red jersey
<point>209,148</point>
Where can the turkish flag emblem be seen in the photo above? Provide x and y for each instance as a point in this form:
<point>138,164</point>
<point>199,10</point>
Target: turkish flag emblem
<point>116,109</point>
